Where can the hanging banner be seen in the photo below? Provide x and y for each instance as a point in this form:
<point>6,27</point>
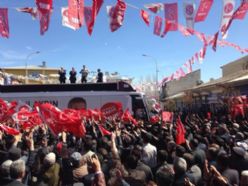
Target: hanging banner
<point>154,7</point>
<point>90,14</point>
<point>116,15</point>
<point>76,12</point>
<point>65,19</point>
<point>4,22</point>
<point>189,12</point>
<point>44,12</point>
<point>145,16</point>
<point>203,10</point>
<point>227,12</point>
<point>171,14</point>
<point>157,25</point>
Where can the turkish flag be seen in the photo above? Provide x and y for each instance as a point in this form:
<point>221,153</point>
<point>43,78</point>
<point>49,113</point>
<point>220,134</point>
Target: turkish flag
<point>104,131</point>
<point>4,22</point>
<point>180,132</point>
<point>203,10</point>
<point>29,10</point>
<point>145,16</point>
<point>9,130</point>
<point>171,14</point>
<point>154,7</point>
<point>188,66</point>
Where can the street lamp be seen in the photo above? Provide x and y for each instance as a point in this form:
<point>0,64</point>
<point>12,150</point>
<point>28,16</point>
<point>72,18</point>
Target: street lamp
<point>26,64</point>
<point>156,65</point>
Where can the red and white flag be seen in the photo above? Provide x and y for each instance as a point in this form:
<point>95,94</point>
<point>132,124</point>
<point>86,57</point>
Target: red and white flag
<point>227,13</point>
<point>65,19</point>
<point>171,14</point>
<point>157,25</point>
<point>29,10</point>
<point>145,16</point>
<point>188,66</point>
<point>154,7</point>
<point>116,15</point>
<point>184,31</point>
<point>4,22</point>
<point>76,12</point>
<point>189,8</point>
<point>181,72</point>
<point>203,10</point>
<point>202,54</point>
<point>44,12</point>
<point>167,25</point>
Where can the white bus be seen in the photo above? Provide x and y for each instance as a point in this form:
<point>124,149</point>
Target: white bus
<point>94,95</point>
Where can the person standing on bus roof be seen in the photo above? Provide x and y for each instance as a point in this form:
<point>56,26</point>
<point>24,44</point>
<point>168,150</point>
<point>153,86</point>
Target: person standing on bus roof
<point>84,73</point>
<point>62,75</point>
<point>73,75</point>
<point>99,76</point>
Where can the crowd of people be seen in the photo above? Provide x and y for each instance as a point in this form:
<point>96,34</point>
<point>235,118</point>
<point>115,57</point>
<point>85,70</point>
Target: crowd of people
<point>214,153</point>
<point>73,75</point>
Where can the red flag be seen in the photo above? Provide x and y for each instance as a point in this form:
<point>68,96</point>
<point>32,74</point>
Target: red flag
<point>167,26</point>
<point>154,7</point>
<point>167,116</point>
<point>203,10</point>
<point>9,130</point>
<point>127,117</point>
<point>171,14</point>
<point>104,131</point>
<point>76,12</point>
<point>116,15</point>
<point>215,39</point>
<point>44,11</point>
<point>29,10</point>
<point>180,132</point>
<point>4,22</point>
<point>181,72</point>
<point>185,31</point>
<point>154,119</point>
<point>145,16</point>
<point>241,11</point>
<point>90,20</point>
<point>202,53</point>
<point>157,25</point>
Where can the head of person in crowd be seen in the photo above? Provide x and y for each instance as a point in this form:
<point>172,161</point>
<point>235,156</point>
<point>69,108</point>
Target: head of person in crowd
<point>165,175</point>
<point>77,103</point>
<point>17,170</point>
<point>5,169</point>
<point>180,166</point>
<point>50,159</point>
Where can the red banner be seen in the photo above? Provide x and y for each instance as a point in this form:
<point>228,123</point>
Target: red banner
<point>145,17</point>
<point>203,10</point>
<point>112,109</point>
<point>116,15</point>
<point>157,25</point>
<point>44,11</point>
<point>4,22</point>
<point>76,12</point>
<point>171,14</point>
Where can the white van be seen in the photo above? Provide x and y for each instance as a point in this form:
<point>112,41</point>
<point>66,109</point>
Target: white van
<point>95,95</point>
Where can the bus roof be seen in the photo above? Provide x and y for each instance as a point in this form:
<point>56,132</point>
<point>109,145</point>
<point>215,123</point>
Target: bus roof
<point>115,86</point>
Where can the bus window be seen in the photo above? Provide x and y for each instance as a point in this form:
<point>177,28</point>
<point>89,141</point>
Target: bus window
<point>138,107</point>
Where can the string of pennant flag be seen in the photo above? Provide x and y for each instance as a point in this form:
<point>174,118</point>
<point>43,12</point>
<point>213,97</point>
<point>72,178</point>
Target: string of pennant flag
<point>76,14</point>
